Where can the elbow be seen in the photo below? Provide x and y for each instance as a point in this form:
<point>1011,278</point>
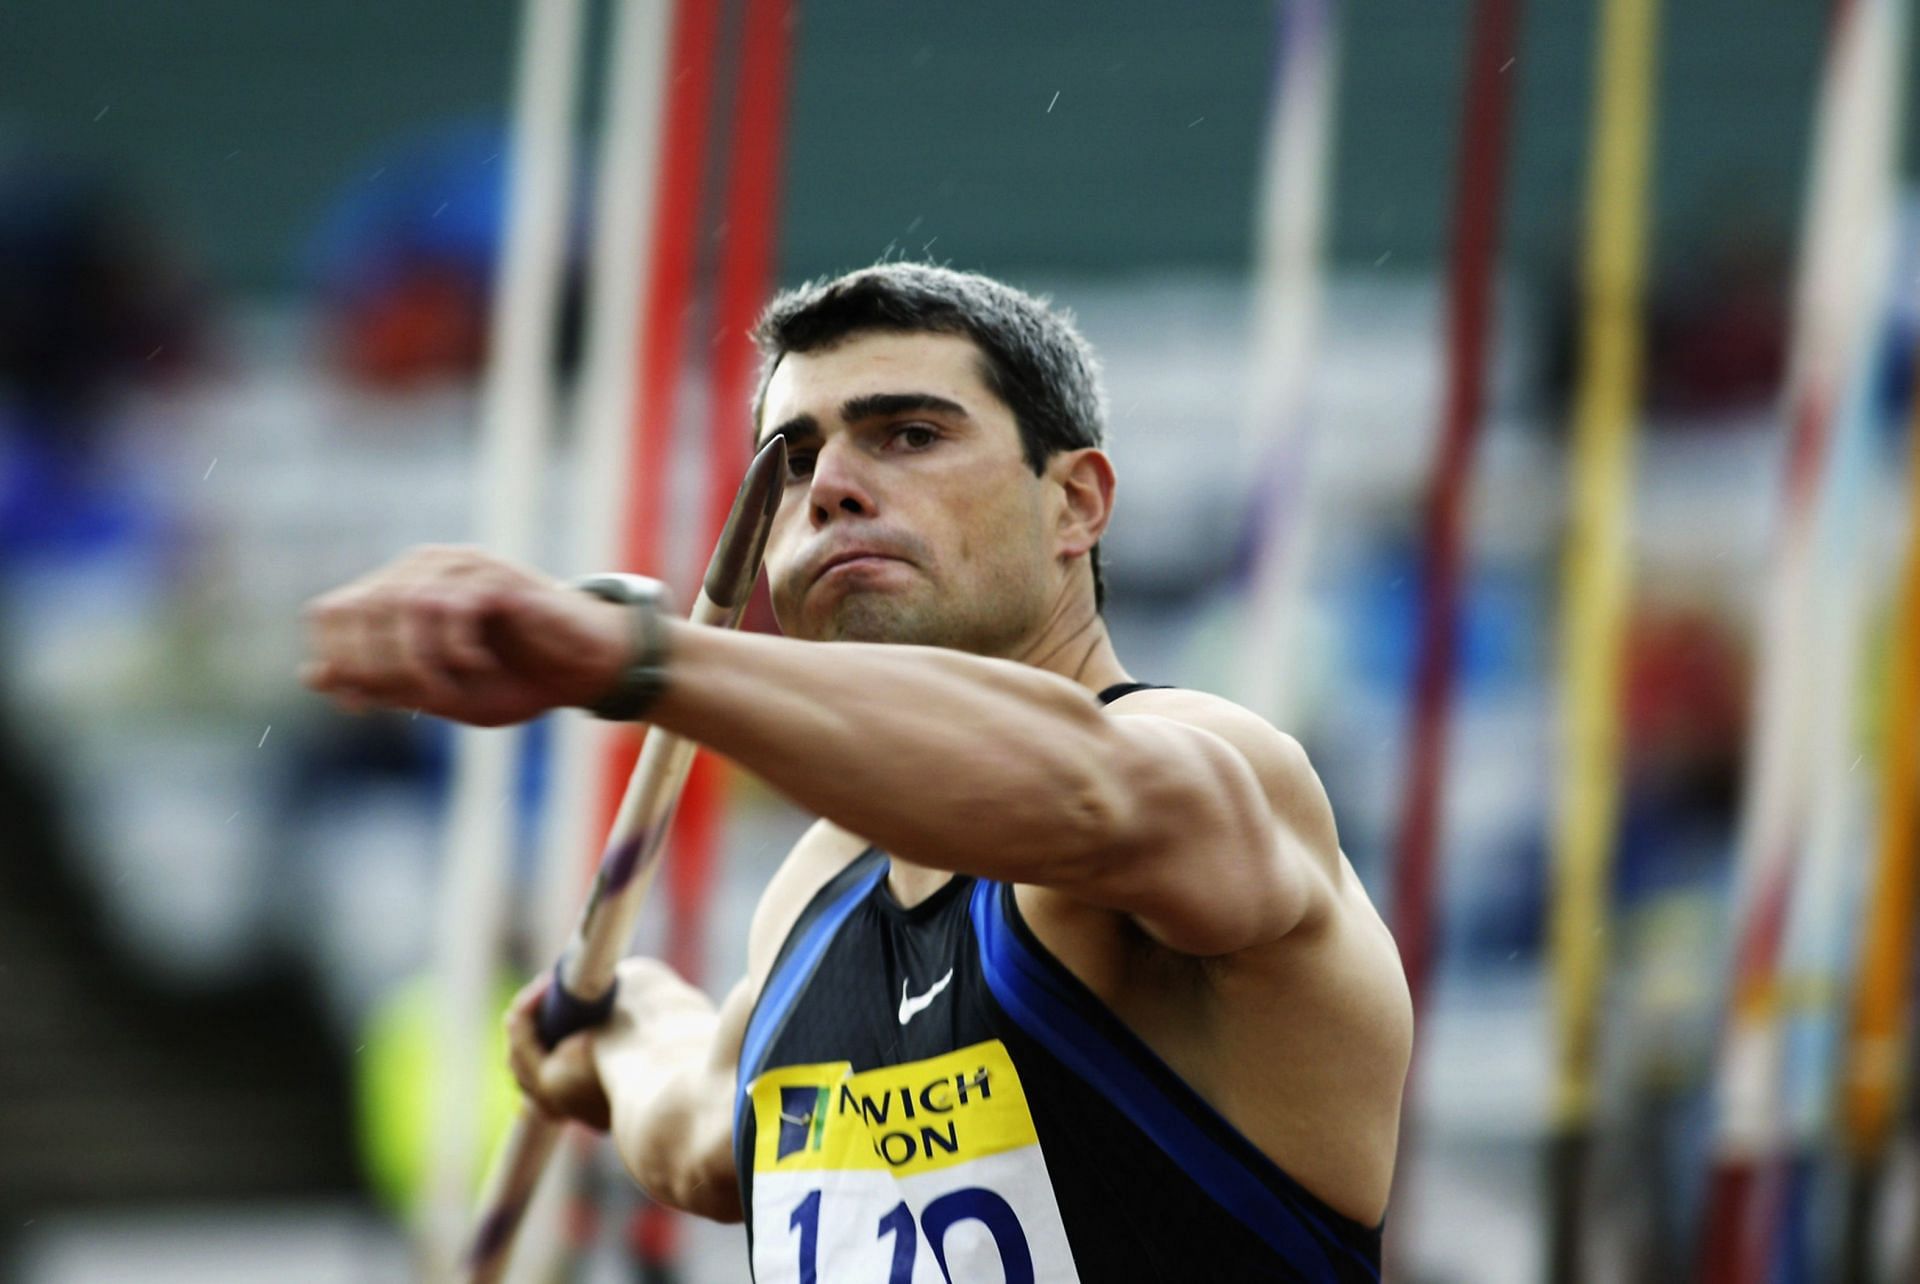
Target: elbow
<point>702,1185</point>
<point>681,1161</point>
<point>711,1191</point>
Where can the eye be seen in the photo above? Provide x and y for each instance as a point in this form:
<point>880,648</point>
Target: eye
<point>915,436</point>
<point>799,466</point>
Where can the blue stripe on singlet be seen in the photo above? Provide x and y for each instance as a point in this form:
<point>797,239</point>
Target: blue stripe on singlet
<point>1048,1011</point>
<point>791,976</point>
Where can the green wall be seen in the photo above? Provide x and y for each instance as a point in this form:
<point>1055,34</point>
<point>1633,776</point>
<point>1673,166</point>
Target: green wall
<point>924,126</point>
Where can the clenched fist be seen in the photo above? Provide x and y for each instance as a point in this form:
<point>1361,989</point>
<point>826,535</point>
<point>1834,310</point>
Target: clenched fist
<point>660,1030</point>
<point>459,633</point>
<point>562,1081</point>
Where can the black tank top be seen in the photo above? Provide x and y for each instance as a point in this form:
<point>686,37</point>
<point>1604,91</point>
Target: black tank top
<point>928,1095</point>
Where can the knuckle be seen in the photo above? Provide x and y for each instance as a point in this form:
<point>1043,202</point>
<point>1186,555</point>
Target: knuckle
<point>428,603</point>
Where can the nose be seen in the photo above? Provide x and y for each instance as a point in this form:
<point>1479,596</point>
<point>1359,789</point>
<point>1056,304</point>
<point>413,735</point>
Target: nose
<point>839,486</point>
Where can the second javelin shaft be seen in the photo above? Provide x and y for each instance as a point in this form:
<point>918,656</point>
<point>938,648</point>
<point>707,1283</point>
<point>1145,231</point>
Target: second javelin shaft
<point>581,993</point>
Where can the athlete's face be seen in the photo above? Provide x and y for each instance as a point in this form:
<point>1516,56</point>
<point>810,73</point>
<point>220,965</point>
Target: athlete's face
<point>910,513</point>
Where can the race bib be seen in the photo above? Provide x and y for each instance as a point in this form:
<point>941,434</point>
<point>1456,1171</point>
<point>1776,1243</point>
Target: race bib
<point>927,1173</point>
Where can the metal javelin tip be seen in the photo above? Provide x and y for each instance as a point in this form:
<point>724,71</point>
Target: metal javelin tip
<point>743,541</point>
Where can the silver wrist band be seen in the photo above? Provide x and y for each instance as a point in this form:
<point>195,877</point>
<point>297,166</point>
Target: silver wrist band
<point>645,676</point>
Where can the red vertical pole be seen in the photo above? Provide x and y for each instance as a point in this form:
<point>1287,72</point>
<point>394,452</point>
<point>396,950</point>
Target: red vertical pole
<point>746,271</point>
<point>1470,318</point>
<point>1483,153</point>
<point>696,39</point>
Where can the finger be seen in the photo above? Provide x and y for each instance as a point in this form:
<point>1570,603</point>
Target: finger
<point>569,1080</point>
<point>460,636</point>
<point>526,1001</point>
<point>383,669</point>
<point>417,635</point>
<point>523,1010</point>
<point>525,1064</point>
<point>325,624</point>
<point>524,1053</point>
<point>351,699</point>
<point>343,630</point>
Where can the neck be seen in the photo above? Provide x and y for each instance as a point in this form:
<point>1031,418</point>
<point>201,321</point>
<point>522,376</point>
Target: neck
<point>1073,643</point>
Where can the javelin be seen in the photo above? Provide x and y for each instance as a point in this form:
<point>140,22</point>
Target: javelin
<point>581,994</point>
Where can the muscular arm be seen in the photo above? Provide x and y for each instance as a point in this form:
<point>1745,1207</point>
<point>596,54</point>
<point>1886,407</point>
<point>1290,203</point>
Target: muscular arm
<point>1199,820</point>
<point>1188,813</point>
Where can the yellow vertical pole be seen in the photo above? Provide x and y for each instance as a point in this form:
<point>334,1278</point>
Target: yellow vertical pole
<point>1596,586</point>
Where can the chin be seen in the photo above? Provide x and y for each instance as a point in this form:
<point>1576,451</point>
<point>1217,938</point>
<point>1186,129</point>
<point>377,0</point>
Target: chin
<point>868,622</point>
<point>873,617</point>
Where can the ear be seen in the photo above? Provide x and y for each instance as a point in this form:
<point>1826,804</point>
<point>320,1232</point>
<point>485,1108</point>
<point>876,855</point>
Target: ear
<point>1086,485</point>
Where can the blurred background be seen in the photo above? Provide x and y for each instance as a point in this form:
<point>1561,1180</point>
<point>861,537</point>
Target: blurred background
<point>1573,640</point>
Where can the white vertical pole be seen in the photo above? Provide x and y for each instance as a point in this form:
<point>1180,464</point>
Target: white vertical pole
<point>1840,281</point>
<point>1843,244</point>
<point>1289,247</point>
<point>620,273</point>
<point>516,404</point>
<point>1815,952</point>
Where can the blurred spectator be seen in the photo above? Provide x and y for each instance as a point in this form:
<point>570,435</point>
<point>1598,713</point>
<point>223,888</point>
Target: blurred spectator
<point>1716,327</point>
<point>1686,708</point>
<point>1717,331</point>
<point>90,305</point>
<point>404,261</point>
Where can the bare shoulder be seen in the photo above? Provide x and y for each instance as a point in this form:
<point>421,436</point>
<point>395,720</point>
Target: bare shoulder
<point>822,852</point>
<point>1278,761</point>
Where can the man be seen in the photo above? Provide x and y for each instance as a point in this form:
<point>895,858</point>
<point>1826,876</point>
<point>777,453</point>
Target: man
<point>1072,980</point>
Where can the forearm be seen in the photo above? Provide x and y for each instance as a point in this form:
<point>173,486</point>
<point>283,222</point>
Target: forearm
<point>945,759</point>
<point>669,1104</point>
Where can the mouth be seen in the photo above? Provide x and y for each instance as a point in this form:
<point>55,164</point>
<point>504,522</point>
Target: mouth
<point>851,560</point>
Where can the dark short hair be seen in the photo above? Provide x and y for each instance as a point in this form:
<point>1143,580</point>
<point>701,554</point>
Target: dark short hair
<point>1032,357</point>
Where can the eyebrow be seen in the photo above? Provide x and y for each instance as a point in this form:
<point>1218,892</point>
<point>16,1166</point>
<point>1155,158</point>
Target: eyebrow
<point>872,405</point>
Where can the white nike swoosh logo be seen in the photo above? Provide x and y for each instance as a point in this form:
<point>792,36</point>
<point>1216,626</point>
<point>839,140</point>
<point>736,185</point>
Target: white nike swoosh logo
<point>911,1008</point>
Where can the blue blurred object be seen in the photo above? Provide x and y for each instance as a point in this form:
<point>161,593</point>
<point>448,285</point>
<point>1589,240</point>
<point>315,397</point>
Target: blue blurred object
<point>1500,624</point>
<point>437,196</point>
<point>56,504</point>
<point>404,262</point>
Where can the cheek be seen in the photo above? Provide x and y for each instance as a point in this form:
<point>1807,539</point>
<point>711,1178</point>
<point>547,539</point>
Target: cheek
<point>783,549</point>
<point>1008,532</point>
